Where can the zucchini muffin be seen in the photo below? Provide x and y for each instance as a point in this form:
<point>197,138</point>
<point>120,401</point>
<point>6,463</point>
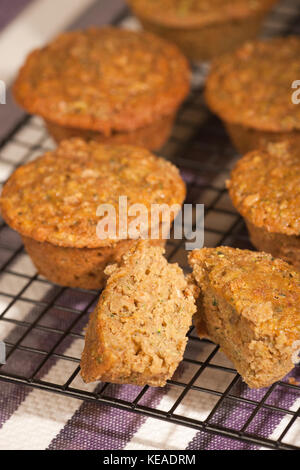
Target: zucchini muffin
<point>203,28</point>
<point>251,91</point>
<point>137,333</point>
<point>52,202</point>
<point>265,189</point>
<point>249,305</point>
<point>107,84</point>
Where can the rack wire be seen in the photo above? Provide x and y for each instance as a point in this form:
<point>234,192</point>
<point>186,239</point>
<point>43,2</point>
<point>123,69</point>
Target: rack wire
<point>46,319</point>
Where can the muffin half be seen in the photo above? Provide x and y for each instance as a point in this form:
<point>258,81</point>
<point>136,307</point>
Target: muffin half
<point>203,29</point>
<point>249,305</point>
<point>107,84</point>
<point>251,91</point>
<point>52,202</point>
<point>137,333</point>
<point>265,189</point>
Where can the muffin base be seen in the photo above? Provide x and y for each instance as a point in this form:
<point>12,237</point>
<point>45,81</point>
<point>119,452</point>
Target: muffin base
<point>204,43</point>
<point>246,139</point>
<point>77,267</point>
<point>152,137</point>
<point>286,247</point>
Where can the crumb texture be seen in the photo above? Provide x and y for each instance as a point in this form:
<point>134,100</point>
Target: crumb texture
<point>137,333</point>
<point>249,305</point>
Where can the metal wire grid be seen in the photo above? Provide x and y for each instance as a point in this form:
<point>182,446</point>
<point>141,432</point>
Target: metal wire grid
<point>55,316</point>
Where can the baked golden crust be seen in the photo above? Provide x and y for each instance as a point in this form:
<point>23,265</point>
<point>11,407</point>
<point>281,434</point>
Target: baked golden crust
<point>286,247</point>
<point>252,86</point>
<point>192,13</point>
<point>104,79</point>
<point>152,137</point>
<point>250,306</point>
<point>264,188</point>
<point>137,333</point>
<point>246,139</point>
<point>55,197</point>
<point>77,267</point>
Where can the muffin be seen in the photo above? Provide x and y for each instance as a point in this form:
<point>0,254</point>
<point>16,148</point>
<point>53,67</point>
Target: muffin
<point>137,333</point>
<point>107,84</point>
<point>52,202</point>
<point>249,305</point>
<point>251,91</point>
<point>203,29</point>
<point>265,189</point>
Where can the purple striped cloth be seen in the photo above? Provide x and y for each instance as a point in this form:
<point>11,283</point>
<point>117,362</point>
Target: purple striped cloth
<point>32,419</point>
<point>9,10</point>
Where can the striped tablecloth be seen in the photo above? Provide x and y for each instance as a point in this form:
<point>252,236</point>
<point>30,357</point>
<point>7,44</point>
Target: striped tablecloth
<point>35,419</point>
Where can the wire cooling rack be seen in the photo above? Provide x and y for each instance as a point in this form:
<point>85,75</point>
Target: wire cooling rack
<point>43,321</point>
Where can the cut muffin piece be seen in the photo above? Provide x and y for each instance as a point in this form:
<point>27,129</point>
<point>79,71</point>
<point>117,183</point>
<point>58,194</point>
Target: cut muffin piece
<point>52,202</point>
<point>264,188</point>
<point>251,91</point>
<point>201,28</point>
<point>106,84</point>
<point>249,305</point>
<point>137,333</point>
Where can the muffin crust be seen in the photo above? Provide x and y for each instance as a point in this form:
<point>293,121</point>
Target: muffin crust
<point>252,86</point>
<point>203,29</point>
<point>249,304</point>
<point>152,137</point>
<point>52,202</point>
<point>104,79</point>
<point>182,13</point>
<point>265,188</point>
<point>55,197</point>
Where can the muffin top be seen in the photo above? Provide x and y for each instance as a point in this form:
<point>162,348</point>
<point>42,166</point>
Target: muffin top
<point>197,12</point>
<point>262,289</point>
<point>55,197</point>
<point>265,188</point>
<point>253,85</point>
<point>104,79</point>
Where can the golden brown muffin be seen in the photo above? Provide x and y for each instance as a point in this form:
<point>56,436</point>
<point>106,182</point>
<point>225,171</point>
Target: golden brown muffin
<point>265,189</point>
<point>107,84</point>
<point>137,333</point>
<point>249,305</point>
<point>203,28</point>
<point>251,91</point>
<point>52,202</point>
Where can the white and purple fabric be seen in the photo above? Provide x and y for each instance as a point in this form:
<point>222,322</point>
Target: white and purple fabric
<point>31,418</point>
